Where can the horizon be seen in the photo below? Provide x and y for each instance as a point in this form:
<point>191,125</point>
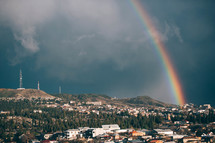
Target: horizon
<point>213,105</point>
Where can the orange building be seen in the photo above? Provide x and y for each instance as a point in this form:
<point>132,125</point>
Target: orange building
<point>156,141</point>
<point>135,133</point>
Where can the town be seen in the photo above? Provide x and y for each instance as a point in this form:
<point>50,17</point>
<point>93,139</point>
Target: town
<point>56,120</point>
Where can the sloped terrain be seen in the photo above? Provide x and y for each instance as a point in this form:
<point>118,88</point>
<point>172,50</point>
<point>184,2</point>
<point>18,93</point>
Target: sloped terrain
<point>34,93</point>
<point>24,93</point>
<point>84,97</point>
<point>144,101</point>
<point>136,101</point>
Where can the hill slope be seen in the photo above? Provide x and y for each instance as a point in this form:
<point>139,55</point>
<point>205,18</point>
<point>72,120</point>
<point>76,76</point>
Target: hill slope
<point>84,97</point>
<point>34,93</point>
<point>136,101</point>
<point>144,101</point>
<point>25,93</point>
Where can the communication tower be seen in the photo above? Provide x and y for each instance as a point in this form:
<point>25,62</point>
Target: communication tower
<point>59,89</point>
<point>20,81</point>
<point>38,85</point>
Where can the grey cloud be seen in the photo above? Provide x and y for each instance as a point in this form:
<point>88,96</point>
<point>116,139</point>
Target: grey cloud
<point>26,38</point>
<point>90,42</point>
<point>84,36</point>
<point>177,33</point>
<point>23,17</point>
<point>168,31</point>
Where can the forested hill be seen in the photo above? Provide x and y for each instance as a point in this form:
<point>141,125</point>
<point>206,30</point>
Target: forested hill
<point>144,100</point>
<point>82,98</point>
<point>135,101</point>
<point>24,93</point>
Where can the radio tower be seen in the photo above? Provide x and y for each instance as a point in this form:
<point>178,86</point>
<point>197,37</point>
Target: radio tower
<point>38,85</point>
<point>59,89</point>
<point>20,80</point>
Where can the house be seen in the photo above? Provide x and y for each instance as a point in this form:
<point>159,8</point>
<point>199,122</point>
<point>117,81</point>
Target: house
<point>110,127</point>
<point>82,131</point>
<point>34,141</point>
<point>190,139</point>
<point>207,106</point>
<point>93,132</point>
<point>72,102</point>
<point>164,131</point>
<point>156,141</point>
<point>5,112</point>
<point>176,136</point>
<point>38,111</point>
<point>121,131</point>
<point>147,137</point>
<point>137,133</point>
<point>94,103</point>
<point>71,133</point>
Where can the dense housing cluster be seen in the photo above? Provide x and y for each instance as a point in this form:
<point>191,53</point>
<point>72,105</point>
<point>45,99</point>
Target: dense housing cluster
<point>59,120</point>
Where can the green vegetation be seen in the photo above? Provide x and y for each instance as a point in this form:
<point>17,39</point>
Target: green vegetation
<point>145,100</point>
<point>83,97</point>
<point>22,119</point>
<point>196,118</point>
<point>7,93</point>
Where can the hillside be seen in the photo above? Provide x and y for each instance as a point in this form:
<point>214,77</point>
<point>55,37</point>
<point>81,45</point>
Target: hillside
<point>85,97</point>
<point>34,93</point>
<point>144,101</point>
<point>25,93</point>
<point>136,101</point>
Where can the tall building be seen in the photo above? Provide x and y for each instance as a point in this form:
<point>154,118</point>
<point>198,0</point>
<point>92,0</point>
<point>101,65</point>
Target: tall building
<point>20,81</point>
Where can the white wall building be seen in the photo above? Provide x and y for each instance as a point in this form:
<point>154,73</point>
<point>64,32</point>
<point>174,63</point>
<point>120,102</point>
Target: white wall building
<point>38,111</point>
<point>94,132</point>
<point>98,131</point>
<point>208,106</point>
<point>94,103</point>
<point>71,133</point>
<point>111,127</point>
<point>164,131</point>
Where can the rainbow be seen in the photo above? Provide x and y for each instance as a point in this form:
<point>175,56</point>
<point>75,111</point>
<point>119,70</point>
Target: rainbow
<point>171,74</point>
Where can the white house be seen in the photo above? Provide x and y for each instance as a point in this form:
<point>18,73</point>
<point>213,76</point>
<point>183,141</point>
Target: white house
<point>98,131</point>
<point>94,103</point>
<point>93,132</point>
<point>38,111</point>
<point>111,127</point>
<point>164,131</point>
<point>71,133</point>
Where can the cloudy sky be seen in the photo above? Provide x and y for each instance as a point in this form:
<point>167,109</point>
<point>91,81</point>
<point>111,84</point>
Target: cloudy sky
<point>100,46</point>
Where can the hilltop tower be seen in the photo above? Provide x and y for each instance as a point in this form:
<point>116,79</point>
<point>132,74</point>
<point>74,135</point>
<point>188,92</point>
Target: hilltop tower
<point>59,89</point>
<point>38,85</point>
<point>20,80</point>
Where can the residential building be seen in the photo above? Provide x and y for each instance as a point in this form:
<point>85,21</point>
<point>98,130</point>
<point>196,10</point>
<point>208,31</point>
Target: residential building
<point>71,133</point>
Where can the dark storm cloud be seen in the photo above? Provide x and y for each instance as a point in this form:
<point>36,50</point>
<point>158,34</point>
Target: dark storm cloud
<point>102,44</point>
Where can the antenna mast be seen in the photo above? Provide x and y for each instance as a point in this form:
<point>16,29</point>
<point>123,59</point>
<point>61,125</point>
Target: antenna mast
<point>20,79</point>
<point>38,85</point>
<point>59,89</point>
